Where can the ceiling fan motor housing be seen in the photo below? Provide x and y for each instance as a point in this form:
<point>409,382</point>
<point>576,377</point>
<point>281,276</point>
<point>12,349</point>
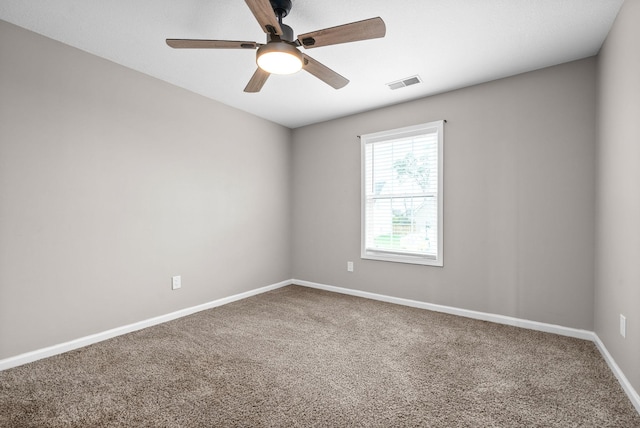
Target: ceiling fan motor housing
<point>286,36</point>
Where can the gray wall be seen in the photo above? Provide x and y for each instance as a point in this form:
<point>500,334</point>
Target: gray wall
<point>618,204</point>
<point>111,182</point>
<point>519,199</point>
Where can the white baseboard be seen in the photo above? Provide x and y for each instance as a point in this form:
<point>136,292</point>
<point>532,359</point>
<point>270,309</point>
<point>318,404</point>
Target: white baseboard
<point>624,382</point>
<point>484,316</point>
<point>500,319</point>
<point>50,351</point>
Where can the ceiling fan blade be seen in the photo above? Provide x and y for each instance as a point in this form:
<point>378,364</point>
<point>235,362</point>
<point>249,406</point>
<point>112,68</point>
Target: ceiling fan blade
<point>265,16</point>
<point>257,81</point>
<point>323,72</point>
<point>362,30</point>
<point>210,44</point>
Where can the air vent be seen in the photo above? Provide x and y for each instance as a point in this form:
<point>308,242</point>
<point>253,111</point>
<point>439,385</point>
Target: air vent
<point>413,80</point>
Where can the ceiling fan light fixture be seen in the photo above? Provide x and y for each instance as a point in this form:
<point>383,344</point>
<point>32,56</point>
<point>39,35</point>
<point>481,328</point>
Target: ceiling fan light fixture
<point>279,58</point>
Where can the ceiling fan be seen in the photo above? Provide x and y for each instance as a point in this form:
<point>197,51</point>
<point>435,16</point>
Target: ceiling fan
<point>280,55</point>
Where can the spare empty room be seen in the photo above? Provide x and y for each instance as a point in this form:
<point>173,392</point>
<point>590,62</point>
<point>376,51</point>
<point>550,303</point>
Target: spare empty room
<point>114,178</point>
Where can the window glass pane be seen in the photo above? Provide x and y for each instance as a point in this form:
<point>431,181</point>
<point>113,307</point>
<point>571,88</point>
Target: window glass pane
<point>402,225</point>
<point>404,166</point>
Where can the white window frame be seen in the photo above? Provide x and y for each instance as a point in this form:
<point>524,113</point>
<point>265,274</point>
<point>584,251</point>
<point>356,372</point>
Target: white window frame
<point>405,257</point>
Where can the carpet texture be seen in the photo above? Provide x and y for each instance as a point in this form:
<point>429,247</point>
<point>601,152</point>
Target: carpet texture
<point>299,357</point>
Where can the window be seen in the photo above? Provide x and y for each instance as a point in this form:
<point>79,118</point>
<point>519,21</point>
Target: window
<point>402,194</point>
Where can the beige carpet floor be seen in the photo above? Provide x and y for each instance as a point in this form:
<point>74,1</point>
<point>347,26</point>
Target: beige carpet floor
<point>299,357</point>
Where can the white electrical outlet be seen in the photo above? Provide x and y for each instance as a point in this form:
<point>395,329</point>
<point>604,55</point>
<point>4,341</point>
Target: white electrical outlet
<point>349,266</point>
<point>623,326</point>
<point>176,282</point>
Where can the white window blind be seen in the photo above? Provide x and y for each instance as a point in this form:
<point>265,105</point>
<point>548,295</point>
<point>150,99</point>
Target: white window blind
<point>402,194</point>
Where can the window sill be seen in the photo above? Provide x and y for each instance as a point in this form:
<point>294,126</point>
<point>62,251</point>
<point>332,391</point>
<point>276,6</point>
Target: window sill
<point>402,258</point>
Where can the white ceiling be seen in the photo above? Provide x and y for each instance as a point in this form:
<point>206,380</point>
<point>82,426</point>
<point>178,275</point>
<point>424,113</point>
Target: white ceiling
<point>449,43</point>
